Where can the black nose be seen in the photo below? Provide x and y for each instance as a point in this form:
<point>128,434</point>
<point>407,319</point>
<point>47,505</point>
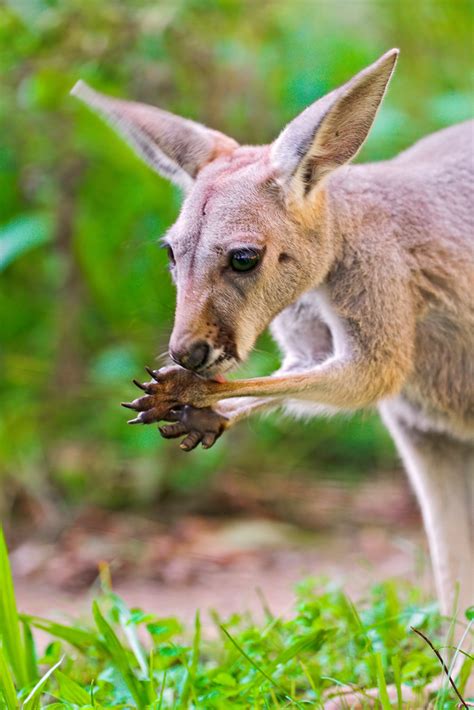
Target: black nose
<point>194,357</point>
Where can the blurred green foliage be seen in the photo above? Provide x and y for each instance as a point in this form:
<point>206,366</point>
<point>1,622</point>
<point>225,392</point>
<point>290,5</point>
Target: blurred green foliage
<point>85,298</point>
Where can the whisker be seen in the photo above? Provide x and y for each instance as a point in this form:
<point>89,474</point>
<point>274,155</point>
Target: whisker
<point>260,351</point>
<point>162,360</point>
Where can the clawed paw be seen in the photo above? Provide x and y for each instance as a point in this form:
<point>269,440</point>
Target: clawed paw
<point>154,404</point>
<point>169,387</point>
<point>166,398</point>
<point>198,426</point>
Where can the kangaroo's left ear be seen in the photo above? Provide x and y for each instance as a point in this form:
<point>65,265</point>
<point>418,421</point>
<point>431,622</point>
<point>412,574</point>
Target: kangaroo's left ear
<point>175,147</point>
<point>331,131</point>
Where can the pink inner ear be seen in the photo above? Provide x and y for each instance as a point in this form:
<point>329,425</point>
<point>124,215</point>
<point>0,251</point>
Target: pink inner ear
<point>223,145</point>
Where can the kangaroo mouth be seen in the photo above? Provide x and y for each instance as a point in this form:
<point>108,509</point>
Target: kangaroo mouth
<point>218,367</point>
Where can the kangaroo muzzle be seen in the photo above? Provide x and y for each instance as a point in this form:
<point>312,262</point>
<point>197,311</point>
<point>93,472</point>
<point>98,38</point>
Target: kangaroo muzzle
<point>193,356</point>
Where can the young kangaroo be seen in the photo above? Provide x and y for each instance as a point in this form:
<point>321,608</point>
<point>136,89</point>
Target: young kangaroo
<point>365,274</point>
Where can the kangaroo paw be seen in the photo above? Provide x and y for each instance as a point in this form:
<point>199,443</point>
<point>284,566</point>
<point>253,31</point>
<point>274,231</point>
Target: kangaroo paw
<point>198,426</point>
<point>170,387</point>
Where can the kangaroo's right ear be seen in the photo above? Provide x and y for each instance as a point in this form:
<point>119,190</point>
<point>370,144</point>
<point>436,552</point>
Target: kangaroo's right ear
<point>175,147</point>
<point>331,131</point>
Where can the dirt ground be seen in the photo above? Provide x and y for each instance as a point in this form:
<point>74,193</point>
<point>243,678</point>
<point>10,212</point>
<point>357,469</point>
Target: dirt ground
<point>259,546</point>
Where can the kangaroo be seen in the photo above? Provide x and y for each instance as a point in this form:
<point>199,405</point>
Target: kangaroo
<point>364,274</point>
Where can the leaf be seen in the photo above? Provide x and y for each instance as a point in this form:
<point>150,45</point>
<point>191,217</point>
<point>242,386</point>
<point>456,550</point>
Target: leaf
<point>397,676</point>
<point>30,652</point>
<point>164,629</point>
<point>256,666</point>
<point>71,691</point>
<point>225,679</point>
<point>312,642</point>
<point>137,616</point>
<point>7,686</point>
<point>196,644</point>
<point>22,234</point>
<point>125,620</point>
<point>31,700</point>
<point>79,638</point>
<point>382,685</point>
<point>10,631</point>
<point>191,671</point>
<point>119,657</point>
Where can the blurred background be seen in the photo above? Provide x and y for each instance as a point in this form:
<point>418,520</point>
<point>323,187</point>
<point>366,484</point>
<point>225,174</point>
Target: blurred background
<point>85,296</point>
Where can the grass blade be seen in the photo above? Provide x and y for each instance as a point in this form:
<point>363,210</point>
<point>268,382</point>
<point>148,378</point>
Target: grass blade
<point>77,637</point>
<point>196,643</point>
<point>258,668</point>
<point>381,683</point>
<point>31,659</point>
<point>397,676</point>
<point>128,628</point>
<point>313,641</point>
<point>458,650</point>
<point>10,631</point>
<point>162,691</point>
<point>119,657</point>
<point>30,700</point>
<point>7,687</point>
<point>70,691</point>
<point>192,669</point>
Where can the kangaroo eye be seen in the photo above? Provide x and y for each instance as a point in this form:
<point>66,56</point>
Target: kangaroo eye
<point>244,259</point>
<point>171,258</point>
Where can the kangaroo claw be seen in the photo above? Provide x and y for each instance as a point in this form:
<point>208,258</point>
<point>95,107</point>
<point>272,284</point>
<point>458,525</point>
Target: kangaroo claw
<point>165,397</point>
<point>140,385</point>
<point>191,441</point>
<point>137,420</point>
<point>172,431</point>
<point>148,416</point>
<point>128,405</point>
<point>152,373</point>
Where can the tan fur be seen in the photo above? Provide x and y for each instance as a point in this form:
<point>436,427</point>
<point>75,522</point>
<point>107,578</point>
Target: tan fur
<point>366,279</point>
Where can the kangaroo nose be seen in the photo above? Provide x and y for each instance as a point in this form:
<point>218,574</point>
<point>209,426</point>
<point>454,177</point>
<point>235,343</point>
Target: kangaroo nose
<point>194,357</point>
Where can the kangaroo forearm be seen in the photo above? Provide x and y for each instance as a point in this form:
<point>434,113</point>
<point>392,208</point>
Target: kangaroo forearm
<point>345,384</point>
<point>241,408</point>
<point>340,383</point>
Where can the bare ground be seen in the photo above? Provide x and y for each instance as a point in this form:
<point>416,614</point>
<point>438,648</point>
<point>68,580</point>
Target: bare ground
<point>173,563</point>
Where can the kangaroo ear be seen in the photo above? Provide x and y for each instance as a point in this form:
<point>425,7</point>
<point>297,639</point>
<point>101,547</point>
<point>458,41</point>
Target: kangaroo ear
<point>331,131</point>
<point>175,147</point>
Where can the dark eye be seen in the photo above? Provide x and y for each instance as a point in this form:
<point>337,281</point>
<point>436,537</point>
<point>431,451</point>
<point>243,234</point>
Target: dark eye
<point>244,259</point>
<point>171,259</point>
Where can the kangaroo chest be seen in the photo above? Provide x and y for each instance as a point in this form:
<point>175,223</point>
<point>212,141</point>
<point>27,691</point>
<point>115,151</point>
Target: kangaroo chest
<point>309,331</point>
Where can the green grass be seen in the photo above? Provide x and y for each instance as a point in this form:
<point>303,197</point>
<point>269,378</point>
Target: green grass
<point>126,658</point>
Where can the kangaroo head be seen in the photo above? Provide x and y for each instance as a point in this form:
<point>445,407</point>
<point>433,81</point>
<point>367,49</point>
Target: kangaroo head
<point>246,243</point>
